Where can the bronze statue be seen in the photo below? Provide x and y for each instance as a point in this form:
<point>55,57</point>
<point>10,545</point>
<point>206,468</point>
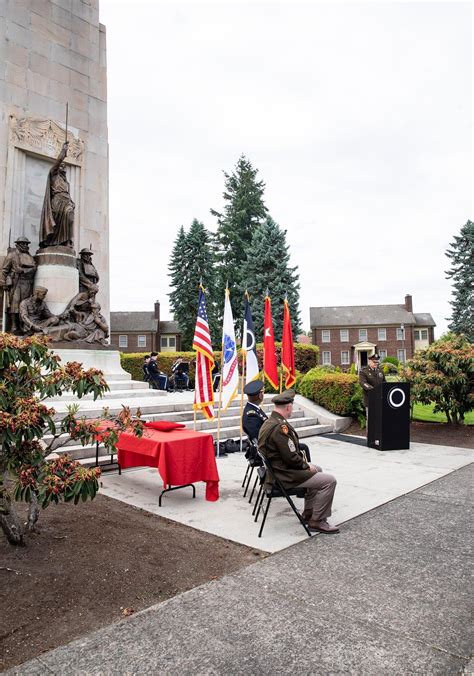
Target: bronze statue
<point>17,277</point>
<point>57,217</point>
<point>88,275</point>
<point>34,312</point>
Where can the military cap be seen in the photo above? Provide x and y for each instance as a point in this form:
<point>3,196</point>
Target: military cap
<point>86,251</point>
<point>22,239</point>
<point>374,357</point>
<point>254,387</point>
<point>285,397</point>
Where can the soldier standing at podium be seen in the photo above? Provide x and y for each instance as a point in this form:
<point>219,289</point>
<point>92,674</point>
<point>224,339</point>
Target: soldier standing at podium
<point>369,377</point>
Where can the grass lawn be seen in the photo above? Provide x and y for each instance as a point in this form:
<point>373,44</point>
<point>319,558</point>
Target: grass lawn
<point>424,412</point>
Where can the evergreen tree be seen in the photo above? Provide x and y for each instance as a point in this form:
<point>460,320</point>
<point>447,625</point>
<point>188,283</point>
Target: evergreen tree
<point>461,254</point>
<point>269,268</point>
<point>244,210</point>
<point>192,260</point>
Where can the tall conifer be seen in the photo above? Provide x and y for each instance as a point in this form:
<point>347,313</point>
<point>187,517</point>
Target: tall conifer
<point>461,272</point>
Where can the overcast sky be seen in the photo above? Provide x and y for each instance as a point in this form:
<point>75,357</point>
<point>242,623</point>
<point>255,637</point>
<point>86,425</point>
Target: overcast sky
<point>356,115</point>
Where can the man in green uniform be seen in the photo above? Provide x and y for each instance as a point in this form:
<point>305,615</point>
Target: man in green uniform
<point>279,443</point>
<point>370,376</point>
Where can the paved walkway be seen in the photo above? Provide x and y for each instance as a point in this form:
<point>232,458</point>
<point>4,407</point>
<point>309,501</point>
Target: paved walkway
<point>389,595</point>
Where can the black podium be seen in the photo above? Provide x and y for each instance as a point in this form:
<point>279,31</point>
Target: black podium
<point>389,417</point>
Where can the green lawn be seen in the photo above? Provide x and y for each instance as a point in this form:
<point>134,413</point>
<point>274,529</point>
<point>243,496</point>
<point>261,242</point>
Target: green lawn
<point>424,412</point>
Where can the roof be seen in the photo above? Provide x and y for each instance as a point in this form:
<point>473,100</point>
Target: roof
<point>133,321</point>
<point>365,315</point>
<point>424,319</point>
<point>169,327</point>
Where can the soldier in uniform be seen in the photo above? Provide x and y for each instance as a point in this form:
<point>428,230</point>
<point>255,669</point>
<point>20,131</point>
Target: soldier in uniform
<point>88,275</point>
<point>279,443</point>
<point>17,277</point>
<point>370,376</point>
<point>253,416</point>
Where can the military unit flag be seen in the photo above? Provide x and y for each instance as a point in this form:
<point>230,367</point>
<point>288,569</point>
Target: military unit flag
<point>203,391</point>
<point>229,370</point>
<point>249,344</point>
<point>287,349</point>
<point>269,356</point>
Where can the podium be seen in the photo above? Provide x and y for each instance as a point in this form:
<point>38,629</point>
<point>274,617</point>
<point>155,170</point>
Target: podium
<point>389,417</point>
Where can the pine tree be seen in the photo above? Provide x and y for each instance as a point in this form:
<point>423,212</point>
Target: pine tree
<point>192,260</point>
<point>244,210</point>
<point>461,272</point>
<point>269,268</point>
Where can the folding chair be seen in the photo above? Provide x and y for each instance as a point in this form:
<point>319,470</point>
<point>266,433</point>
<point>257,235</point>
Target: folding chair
<point>278,491</point>
<point>253,461</point>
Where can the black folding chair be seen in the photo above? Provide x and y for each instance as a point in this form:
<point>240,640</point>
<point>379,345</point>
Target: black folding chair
<point>253,461</point>
<point>277,491</point>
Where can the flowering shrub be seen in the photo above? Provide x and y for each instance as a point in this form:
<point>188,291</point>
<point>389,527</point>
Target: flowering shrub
<point>30,373</point>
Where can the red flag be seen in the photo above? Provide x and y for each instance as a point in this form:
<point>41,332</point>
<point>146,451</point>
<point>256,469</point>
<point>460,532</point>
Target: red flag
<point>203,392</point>
<point>269,356</point>
<point>287,349</point>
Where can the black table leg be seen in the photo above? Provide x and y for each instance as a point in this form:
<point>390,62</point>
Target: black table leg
<point>175,488</point>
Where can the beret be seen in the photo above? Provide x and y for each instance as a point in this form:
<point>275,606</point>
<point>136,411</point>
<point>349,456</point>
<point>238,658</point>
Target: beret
<point>254,387</point>
<point>285,397</point>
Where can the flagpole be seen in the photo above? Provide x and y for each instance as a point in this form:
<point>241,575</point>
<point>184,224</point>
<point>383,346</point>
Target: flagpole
<point>220,404</point>
<point>242,397</point>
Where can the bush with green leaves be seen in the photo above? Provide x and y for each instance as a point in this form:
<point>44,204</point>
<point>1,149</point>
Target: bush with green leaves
<point>334,391</point>
<point>29,374</point>
<point>443,375</point>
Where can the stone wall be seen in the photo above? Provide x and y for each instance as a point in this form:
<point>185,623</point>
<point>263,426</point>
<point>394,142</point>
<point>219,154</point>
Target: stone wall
<point>53,52</point>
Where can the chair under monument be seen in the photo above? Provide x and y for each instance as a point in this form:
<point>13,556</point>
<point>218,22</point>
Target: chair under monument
<point>277,490</point>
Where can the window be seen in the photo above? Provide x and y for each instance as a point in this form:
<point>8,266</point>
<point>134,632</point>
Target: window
<point>123,341</point>
<point>401,356</point>
<point>421,334</point>
<point>382,334</point>
<point>141,341</point>
<point>362,334</point>
<point>326,336</point>
<point>172,341</point>
<point>164,341</point>
<point>345,357</point>
<point>401,334</point>
<point>382,354</point>
<point>344,335</point>
<point>326,357</point>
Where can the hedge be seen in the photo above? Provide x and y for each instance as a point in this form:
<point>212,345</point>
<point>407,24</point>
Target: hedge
<point>336,392</point>
<point>306,358</point>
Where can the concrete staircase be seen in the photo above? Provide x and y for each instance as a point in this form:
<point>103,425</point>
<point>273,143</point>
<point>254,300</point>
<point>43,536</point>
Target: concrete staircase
<point>175,407</point>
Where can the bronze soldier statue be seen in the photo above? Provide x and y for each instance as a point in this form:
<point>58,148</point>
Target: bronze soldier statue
<point>17,277</point>
<point>34,312</point>
<point>88,275</point>
<point>57,217</point>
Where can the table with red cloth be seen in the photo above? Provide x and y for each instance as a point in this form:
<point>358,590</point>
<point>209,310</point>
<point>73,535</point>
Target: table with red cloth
<point>181,456</point>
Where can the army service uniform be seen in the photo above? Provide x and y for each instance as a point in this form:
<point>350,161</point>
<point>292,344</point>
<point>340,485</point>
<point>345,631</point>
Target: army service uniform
<point>252,420</point>
<point>369,378</point>
<point>278,441</point>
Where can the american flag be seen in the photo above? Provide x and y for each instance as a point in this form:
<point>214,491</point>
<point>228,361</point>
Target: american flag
<point>203,391</point>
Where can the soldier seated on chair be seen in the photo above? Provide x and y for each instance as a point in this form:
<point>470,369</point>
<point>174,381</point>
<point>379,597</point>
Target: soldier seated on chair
<point>278,442</point>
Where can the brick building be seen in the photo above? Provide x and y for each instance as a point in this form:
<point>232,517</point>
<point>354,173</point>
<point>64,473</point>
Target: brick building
<point>144,332</point>
<point>349,334</point>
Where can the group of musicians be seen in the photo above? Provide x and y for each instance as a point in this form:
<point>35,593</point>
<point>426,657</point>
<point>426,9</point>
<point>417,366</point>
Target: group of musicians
<point>178,380</point>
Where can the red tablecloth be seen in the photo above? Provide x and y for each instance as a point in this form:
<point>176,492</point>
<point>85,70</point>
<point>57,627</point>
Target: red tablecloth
<point>181,456</point>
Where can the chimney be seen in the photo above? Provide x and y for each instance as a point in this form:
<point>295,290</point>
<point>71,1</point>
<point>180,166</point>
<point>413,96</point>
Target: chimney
<point>408,303</point>
<point>157,310</point>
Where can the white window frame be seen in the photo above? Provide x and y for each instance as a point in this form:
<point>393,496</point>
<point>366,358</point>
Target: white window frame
<point>363,334</point>
<point>400,334</point>
<point>402,355</point>
<point>141,343</point>
<point>343,362</point>
<point>420,333</point>
<point>326,357</point>
<point>342,333</point>
<point>382,334</point>
<point>382,354</point>
<point>123,340</point>
<point>326,336</point>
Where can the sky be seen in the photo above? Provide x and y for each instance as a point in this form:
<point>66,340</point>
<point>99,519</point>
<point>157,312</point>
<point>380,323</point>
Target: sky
<point>357,115</point>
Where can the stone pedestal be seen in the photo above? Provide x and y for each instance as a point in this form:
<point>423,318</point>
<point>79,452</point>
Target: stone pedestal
<point>57,271</point>
<point>107,360</point>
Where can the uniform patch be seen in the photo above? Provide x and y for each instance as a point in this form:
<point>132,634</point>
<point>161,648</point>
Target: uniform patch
<point>291,445</point>
<point>284,429</point>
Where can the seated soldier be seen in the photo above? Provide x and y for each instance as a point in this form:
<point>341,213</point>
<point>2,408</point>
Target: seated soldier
<point>279,443</point>
<point>158,379</point>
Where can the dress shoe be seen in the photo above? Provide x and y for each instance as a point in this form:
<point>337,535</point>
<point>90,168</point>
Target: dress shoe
<point>322,527</point>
